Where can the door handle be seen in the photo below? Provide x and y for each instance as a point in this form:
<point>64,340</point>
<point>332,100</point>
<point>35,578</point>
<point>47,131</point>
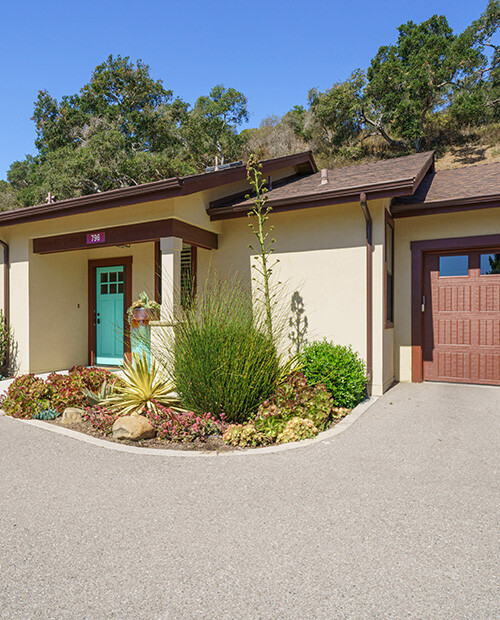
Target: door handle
<point>98,318</point>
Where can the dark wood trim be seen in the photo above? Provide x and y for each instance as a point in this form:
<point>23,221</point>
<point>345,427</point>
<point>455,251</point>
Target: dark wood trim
<point>126,261</point>
<point>147,192</point>
<point>193,235</point>
<point>428,167</point>
<point>388,221</point>
<point>157,274</point>
<point>419,249</point>
<point>194,267</point>
<point>456,243</point>
<point>142,232</point>
<point>449,206</point>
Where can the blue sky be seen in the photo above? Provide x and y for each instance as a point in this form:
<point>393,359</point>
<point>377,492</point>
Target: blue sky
<point>273,51</point>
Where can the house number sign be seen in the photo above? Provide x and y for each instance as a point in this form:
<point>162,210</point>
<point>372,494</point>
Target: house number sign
<point>96,238</point>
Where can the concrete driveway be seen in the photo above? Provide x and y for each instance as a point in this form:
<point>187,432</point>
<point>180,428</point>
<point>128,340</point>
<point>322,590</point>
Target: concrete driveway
<point>397,517</point>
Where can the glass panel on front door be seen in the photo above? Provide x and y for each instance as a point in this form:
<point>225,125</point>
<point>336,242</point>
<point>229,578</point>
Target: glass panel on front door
<point>110,283</point>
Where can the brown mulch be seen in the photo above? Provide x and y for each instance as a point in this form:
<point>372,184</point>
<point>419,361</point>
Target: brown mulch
<point>212,444</point>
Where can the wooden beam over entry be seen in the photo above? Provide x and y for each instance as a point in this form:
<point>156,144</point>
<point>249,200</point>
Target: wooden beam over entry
<point>124,235</point>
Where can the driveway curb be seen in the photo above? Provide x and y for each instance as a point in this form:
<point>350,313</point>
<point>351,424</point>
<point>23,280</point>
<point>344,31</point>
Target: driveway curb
<point>343,425</point>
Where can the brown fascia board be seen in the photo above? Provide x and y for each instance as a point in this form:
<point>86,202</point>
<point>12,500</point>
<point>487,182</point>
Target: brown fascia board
<point>389,189</point>
<point>445,206</point>
<point>147,192</point>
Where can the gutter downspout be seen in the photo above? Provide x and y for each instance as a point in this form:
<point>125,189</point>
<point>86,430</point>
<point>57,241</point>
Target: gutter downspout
<point>369,286</point>
<point>6,290</point>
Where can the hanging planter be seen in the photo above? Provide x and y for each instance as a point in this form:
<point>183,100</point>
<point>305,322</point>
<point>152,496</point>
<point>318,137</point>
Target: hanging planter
<point>142,311</point>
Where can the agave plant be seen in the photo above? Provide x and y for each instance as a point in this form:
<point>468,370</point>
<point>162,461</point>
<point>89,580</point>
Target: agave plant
<point>142,387</point>
<point>94,398</point>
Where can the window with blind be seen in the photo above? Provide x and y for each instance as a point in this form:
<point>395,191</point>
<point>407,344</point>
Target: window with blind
<point>188,274</point>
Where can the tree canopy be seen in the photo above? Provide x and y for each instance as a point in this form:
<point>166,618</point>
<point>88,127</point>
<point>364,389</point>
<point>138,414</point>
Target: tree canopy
<point>124,127</point>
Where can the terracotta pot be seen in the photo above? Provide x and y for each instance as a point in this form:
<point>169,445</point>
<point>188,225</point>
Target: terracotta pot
<point>141,316</point>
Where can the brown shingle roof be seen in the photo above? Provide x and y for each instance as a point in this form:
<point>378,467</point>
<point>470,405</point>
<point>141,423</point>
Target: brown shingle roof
<point>391,177</point>
<point>456,183</point>
<point>458,189</point>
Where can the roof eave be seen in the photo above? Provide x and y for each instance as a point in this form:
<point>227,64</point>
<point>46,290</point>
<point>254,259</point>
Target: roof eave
<point>148,192</point>
<point>445,206</point>
<point>373,192</point>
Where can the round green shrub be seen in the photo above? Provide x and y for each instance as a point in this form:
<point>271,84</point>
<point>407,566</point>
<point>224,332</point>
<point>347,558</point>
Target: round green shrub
<point>338,368</point>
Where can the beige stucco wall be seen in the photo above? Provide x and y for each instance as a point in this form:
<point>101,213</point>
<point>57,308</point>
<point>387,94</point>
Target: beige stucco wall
<point>51,323</point>
<point>322,259</point>
<point>440,226</point>
<point>322,256</point>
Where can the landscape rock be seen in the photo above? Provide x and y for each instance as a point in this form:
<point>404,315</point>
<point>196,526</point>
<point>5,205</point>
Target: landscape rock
<point>133,427</point>
<point>72,415</point>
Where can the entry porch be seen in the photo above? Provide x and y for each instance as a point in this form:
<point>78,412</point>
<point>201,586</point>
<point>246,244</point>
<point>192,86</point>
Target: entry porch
<point>80,285</point>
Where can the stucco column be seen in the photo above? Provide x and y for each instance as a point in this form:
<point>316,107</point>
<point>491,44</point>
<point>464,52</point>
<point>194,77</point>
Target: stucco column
<point>170,250</point>
<point>162,330</point>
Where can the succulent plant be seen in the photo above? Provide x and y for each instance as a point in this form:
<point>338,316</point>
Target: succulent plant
<point>46,414</point>
<point>94,398</point>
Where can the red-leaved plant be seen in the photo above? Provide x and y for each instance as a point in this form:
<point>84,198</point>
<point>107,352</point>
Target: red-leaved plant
<point>184,426</point>
<point>100,419</point>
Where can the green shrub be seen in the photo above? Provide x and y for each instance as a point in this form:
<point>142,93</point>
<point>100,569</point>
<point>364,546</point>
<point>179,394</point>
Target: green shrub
<point>224,362</point>
<point>7,349</point>
<point>338,368</point>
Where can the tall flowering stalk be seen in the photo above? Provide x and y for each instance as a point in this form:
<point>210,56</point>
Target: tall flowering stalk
<point>259,212</point>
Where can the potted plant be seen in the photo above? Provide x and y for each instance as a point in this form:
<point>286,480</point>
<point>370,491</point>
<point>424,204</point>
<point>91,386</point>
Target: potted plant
<point>143,310</point>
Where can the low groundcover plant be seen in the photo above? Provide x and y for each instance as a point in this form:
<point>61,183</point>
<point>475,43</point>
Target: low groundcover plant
<point>184,426</point>
<point>296,411</point>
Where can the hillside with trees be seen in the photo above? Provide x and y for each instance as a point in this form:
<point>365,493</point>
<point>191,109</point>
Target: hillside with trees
<point>430,89</point>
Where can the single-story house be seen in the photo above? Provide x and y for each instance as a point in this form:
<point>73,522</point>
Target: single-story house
<point>396,259</point>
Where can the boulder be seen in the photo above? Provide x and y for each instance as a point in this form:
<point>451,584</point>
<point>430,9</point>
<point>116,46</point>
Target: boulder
<point>133,427</point>
<point>72,415</point>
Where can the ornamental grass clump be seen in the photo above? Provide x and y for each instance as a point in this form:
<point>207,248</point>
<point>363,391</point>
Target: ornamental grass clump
<point>223,359</point>
<point>338,368</point>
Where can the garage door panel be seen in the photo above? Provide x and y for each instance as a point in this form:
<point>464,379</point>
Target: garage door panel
<point>455,297</point>
<point>489,332</point>
<point>453,365</point>
<point>489,296</point>
<point>452,332</point>
<point>461,320</point>
<point>489,367</point>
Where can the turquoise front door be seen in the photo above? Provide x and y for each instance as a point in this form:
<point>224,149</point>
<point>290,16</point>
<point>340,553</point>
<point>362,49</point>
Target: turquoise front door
<point>110,301</point>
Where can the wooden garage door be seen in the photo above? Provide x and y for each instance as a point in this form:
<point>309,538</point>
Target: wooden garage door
<point>462,317</point>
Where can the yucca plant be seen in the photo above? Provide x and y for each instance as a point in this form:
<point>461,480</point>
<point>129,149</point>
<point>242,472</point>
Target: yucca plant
<point>142,388</point>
